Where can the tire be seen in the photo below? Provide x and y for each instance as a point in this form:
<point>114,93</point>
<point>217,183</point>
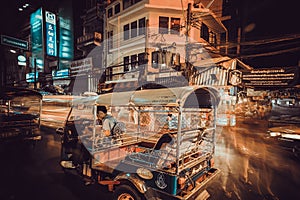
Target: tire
<point>126,192</point>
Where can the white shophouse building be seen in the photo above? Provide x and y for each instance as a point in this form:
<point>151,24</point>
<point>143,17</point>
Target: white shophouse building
<point>163,34</point>
<point>166,43</point>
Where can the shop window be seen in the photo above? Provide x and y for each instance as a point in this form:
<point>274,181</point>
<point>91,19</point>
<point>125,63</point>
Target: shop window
<point>163,25</point>
<point>133,29</point>
<point>175,25</point>
<point>142,26</point>
<point>117,8</point>
<point>126,32</point>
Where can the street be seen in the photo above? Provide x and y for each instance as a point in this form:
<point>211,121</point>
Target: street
<point>33,172</point>
<point>252,167</point>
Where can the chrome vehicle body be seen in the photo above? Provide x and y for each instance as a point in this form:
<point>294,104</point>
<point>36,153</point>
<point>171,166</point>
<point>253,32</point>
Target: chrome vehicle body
<point>20,111</point>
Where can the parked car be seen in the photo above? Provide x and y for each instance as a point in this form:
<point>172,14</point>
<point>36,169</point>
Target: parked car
<point>288,137</point>
<point>20,113</point>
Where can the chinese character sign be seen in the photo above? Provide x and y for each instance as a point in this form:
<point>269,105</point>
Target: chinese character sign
<point>50,33</point>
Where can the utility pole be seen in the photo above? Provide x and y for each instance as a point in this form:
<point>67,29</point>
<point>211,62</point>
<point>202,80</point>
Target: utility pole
<point>187,33</point>
<point>34,63</point>
<point>238,48</point>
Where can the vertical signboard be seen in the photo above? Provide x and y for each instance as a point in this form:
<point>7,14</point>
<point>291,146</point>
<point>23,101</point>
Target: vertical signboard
<point>50,19</point>
<point>36,22</point>
<point>66,38</point>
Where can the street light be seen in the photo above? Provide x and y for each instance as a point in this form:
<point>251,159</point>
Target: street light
<point>24,7</point>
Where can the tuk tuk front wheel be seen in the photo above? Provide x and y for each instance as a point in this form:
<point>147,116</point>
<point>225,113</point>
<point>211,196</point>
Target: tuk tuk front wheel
<point>125,192</point>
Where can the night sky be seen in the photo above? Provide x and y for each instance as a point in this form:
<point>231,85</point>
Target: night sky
<point>11,18</point>
<point>267,27</point>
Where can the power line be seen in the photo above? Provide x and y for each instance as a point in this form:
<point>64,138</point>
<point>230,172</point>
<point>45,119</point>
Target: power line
<point>271,53</point>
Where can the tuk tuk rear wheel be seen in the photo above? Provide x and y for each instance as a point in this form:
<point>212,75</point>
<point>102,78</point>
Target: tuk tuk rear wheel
<point>126,192</point>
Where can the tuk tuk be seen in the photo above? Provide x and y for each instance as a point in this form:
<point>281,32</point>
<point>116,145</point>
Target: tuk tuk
<point>165,152</point>
<point>20,111</point>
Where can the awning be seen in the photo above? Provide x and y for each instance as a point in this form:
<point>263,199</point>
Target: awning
<point>211,61</point>
<point>209,19</point>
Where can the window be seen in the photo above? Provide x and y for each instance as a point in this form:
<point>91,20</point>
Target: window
<point>142,58</point>
<point>175,25</point>
<point>126,64</point>
<point>110,40</point>
<point>163,60</point>
<point>134,29</point>
<point>110,12</point>
<point>163,25</point>
<point>156,59</point>
<point>204,32</point>
<point>133,60</point>
<point>117,8</point>
<point>142,25</point>
<point>126,4</point>
<point>126,32</point>
<point>212,38</point>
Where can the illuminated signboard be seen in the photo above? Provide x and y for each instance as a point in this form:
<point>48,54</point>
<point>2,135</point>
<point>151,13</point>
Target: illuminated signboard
<point>21,60</point>
<point>271,77</point>
<point>14,42</point>
<point>36,22</point>
<point>81,67</point>
<point>30,77</point>
<point>66,44</point>
<point>59,74</point>
<point>50,34</point>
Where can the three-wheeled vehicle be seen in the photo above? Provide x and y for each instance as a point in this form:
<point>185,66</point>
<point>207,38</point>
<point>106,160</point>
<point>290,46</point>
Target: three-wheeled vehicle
<point>20,111</point>
<point>166,151</point>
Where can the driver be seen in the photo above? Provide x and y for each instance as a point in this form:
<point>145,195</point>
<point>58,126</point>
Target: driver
<point>108,121</point>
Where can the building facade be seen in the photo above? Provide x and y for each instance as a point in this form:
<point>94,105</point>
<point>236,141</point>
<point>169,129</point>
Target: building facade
<point>158,42</point>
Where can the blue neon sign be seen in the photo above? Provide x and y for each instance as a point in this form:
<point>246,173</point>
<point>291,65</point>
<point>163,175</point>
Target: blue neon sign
<point>50,34</point>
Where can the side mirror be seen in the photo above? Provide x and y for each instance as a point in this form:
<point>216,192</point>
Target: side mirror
<point>60,131</point>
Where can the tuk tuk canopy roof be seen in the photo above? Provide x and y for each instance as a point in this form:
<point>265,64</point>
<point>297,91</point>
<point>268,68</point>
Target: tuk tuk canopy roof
<point>187,97</point>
